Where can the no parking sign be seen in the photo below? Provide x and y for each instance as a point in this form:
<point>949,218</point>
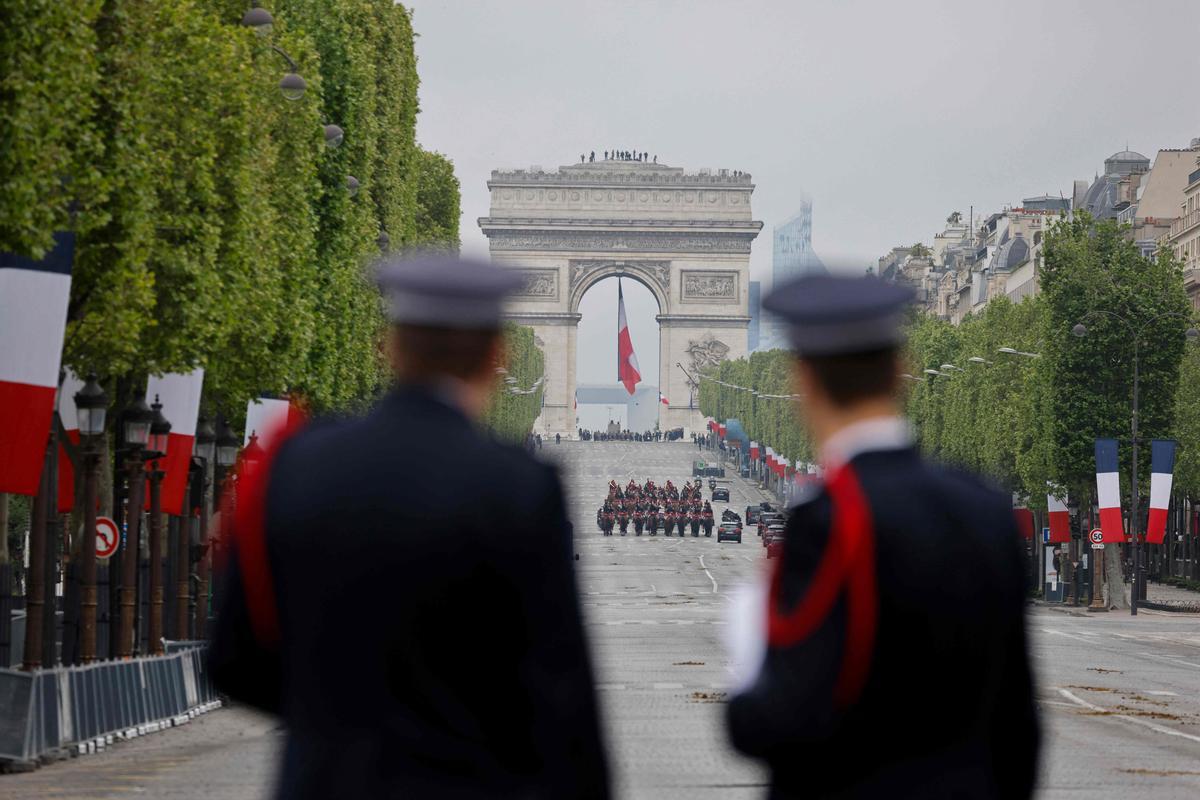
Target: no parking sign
<point>107,537</point>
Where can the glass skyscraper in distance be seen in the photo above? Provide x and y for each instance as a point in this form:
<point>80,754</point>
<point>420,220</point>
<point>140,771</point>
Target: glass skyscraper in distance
<point>793,255</point>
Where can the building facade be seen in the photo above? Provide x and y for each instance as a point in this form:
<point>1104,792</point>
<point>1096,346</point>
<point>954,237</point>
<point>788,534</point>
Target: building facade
<point>792,254</point>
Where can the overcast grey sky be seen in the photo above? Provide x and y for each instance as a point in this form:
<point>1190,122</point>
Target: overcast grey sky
<point>890,114</point>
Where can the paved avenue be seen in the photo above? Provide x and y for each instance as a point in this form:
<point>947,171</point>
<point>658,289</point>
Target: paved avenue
<point>1121,711</point>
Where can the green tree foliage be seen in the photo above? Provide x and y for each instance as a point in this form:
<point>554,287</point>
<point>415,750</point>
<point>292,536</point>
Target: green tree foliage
<point>1094,275</point>
<point>48,72</point>
<point>1187,423</point>
<point>513,412</point>
<point>769,418</point>
<point>215,227</point>
<point>437,202</point>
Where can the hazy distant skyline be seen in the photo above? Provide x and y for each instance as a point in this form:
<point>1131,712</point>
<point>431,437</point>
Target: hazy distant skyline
<point>888,115</point>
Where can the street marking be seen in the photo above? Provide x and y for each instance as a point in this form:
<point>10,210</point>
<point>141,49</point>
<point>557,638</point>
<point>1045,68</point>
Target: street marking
<point>668,686</point>
<point>709,574</point>
<point>1163,694</point>
<point>1068,635</point>
<point>1145,724</point>
<point>1168,660</point>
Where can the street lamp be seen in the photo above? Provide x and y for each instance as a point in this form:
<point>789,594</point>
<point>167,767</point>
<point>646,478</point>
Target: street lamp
<point>258,20</point>
<point>351,185</point>
<point>948,367</point>
<point>1008,351</point>
<point>978,360</point>
<point>206,440</point>
<point>160,433</point>
<point>91,407</point>
<point>292,86</point>
<point>936,373</point>
<point>135,426</point>
<point>1079,330</point>
<point>227,444</point>
<point>334,135</point>
<point>908,377</point>
<point>383,240</point>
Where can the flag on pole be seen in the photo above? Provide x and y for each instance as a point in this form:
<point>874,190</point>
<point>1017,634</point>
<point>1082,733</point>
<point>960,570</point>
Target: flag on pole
<point>33,320</point>
<point>1025,523</point>
<point>266,417</point>
<point>662,398</point>
<point>627,363</point>
<point>754,451</point>
<point>70,421</point>
<point>1162,467</point>
<point>179,394</point>
<point>1060,518</point>
<point>1108,491</point>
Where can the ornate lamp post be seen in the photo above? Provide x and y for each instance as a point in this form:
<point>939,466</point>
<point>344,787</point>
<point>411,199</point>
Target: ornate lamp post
<point>91,406</point>
<point>205,451</point>
<point>135,433</point>
<point>1137,580</point>
<point>160,431</point>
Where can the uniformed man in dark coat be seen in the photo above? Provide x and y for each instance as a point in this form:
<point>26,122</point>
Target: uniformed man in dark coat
<point>402,591</point>
<point>892,661</point>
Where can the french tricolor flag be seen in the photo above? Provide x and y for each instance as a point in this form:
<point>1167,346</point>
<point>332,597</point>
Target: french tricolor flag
<point>754,451</point>
<point>33,320</point>
<point>662,398</point>
<point>1108,491</point>
<point>70,421</point>
<point>266,417</point>
<point>1162,468</point>
<point>1060,518</point>
<point>179,394</point>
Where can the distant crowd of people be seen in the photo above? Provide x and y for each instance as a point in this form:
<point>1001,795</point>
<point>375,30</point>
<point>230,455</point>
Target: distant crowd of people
<point>622,435</point>
<point>619,155</point>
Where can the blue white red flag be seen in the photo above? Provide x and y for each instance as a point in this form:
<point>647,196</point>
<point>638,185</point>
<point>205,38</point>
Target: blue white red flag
<point>1162,468</point>
<point>1108,491</point>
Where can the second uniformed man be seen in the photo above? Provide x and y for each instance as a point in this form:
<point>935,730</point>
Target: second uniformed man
<point>402,590</point>
<point>892,661</point>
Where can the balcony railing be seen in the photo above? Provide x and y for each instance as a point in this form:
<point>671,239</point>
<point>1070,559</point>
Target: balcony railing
<point>1185,223</point>
<point>1193,177</point>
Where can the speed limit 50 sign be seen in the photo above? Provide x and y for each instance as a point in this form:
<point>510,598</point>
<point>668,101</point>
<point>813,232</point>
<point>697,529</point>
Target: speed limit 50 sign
<point>1097,537</point>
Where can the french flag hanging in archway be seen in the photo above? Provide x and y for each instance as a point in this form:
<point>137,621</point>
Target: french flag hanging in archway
<point>1162,468</point>
<point>33,320</point>
<point>627,363</point>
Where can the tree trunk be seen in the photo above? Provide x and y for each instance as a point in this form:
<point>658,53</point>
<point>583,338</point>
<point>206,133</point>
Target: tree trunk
<point>1114,575</point>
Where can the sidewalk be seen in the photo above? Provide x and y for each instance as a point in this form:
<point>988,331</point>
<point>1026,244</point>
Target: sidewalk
<point>1183,599</point>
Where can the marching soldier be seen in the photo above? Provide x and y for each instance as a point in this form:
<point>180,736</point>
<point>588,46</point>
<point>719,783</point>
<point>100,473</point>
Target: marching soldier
<point>893,657</point>
<point>365,633</point>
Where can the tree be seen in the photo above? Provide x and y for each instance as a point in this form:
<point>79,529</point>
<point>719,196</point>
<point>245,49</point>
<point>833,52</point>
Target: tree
<point>919,250</point>
<point>1131,305</point>
<point>517,402</point>
<point>437,211</point>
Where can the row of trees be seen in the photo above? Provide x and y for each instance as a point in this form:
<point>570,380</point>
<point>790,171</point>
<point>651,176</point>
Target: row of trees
<point>769,417</point>
<point>518,399</point>
<point>1027,422</point>
<point>215,226</point>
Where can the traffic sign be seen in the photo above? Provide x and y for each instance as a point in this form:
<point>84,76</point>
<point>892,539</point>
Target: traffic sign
<point>107,537</point>
<point>1097,536</point>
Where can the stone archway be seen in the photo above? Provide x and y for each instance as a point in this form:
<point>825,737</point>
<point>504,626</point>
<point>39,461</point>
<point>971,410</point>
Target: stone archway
<point>685,237</point>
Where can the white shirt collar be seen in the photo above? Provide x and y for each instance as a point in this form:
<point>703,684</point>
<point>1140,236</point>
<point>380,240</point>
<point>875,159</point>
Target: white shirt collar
<point>869,435</point>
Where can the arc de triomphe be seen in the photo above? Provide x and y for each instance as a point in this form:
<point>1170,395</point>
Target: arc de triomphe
<point>685,237</point>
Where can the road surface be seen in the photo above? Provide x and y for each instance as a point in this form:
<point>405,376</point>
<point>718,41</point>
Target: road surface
<point>1119,695</point>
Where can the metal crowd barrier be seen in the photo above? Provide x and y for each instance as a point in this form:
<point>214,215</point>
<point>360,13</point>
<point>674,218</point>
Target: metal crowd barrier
<point>48,713</point>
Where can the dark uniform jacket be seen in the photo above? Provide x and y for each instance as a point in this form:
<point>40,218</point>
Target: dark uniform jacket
<point>430,640</point>
<point>943,704</point>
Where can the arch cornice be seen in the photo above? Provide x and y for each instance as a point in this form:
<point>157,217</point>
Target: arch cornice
<point>654,274</point>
